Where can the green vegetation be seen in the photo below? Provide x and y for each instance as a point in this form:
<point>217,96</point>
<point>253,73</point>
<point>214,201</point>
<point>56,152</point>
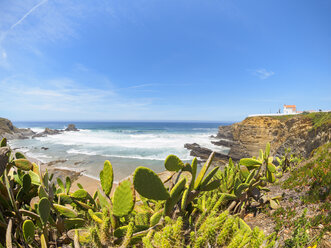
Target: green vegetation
<point>318,118</point>
<point>315,174</point>
<point>188,209</point>
<point>313,180</point>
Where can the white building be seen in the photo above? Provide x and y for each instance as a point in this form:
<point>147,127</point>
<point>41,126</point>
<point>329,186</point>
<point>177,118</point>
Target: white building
<point>290,109</point>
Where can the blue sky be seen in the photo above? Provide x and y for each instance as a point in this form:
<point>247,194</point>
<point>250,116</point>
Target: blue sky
<point>162,60</point>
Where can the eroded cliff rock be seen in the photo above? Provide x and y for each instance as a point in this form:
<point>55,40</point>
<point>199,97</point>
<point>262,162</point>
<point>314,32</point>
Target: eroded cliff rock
<point>8,130</point>
<point>301,133</point>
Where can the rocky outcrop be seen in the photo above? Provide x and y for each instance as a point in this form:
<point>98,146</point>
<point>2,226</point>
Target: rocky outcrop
<point>301,133</point>
<point>202,152</point>
<point>46,132</point>
<point>71,127</point>
<point>9,131</point>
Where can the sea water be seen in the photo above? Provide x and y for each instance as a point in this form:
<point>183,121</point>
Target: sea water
<point>125,144</point>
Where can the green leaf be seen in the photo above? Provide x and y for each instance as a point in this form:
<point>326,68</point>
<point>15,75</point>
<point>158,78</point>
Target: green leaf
<point>71,223</point>
<point>229,196</point>
<point>175,194</point>
<point>103,200</point>
<point>26,183</point>
<point>173,163</point>
<point>267,150</point>
<point>28,231</point>
<point>270,177</point>
<point>41,192</point>
<point>250,163</point>
<point>204,170</point>
<point>149,185</point>
<point>211,186</point>
<point>80,194</point>
<point>271,167</point>
<point>23,164</point>
<point>60,183</point>
<point>244,171</point>
<point>124,199</point>
<point>44,208</point>
<point>156,217</point>
<point>194,166</point>
<point>206,180</point>
<point>43,241</point>
<point>68,185</point>
<point>35,179</point>
<point>19,155</point>
<point>65,211</point>
<point>238,191</point>
<point>3,142</point>
<point>107,177</point>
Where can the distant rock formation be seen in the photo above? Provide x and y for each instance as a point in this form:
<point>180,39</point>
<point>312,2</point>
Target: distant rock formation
<point>9,131</point>
<point>203,152</point>
<point>48,131</point>
<point>71,127</point>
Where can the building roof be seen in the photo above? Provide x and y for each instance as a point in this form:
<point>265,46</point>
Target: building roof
<point>289,106</point>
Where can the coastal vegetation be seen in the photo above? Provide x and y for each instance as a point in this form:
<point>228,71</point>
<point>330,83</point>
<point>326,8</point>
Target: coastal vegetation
<point>188,209</point>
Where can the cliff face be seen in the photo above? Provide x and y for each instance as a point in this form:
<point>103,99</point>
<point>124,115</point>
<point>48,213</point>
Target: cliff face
<point>301,133</point>
<point>8,130</point>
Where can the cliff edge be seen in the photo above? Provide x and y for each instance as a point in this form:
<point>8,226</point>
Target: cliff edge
<point>302,133</point>
<point>9,131</point>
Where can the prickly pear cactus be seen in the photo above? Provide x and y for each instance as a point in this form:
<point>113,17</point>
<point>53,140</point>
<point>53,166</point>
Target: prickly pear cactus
<point>23,164</point>
<point>124,199</point>
<point>107,177</point>
<point>44,209</point>
<point>149,185</point>
<point>173,163</point>
<point>28,231</point>
<point>26,183</point>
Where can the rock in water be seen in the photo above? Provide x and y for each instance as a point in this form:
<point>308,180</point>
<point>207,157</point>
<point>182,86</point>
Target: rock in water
<point>71,127</point>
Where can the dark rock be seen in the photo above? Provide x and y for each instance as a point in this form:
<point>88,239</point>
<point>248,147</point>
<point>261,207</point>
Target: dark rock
<point>204,153</point>
<point>226,143</point>
<point>44,148</point>
<point>71,127</point>
<point>225,132</point>
<point>46,132</point>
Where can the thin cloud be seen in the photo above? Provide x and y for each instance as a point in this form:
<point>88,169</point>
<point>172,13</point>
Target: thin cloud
<point>74,100</point>
<point>263,73</point>
<point>28,13</point>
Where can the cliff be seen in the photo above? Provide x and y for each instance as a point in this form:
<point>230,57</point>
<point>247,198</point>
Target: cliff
<point>302,133</point>
<point>8,130</point>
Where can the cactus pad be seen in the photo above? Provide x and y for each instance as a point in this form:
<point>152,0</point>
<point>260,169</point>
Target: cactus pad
<point>28,231</point>
<point>149,185</point>
<point>173,163</point>
<point>44,209</point>
<point>23,164</point>
<point>65,211</point>
<point>250,163</point>
<point>107,177</point>
<point>19,155</point>
<point>124,199</point>
<point>80,194</point>
<point>26,183</point>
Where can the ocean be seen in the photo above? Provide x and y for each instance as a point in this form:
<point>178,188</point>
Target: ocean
<point>125,144</point>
